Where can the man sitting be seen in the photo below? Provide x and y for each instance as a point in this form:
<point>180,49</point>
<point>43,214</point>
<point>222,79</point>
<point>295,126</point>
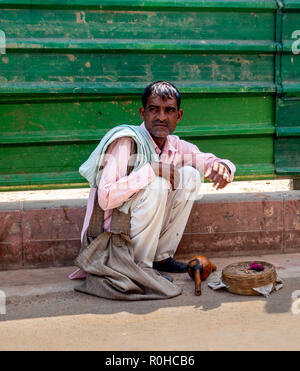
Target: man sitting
<point>162,191</point>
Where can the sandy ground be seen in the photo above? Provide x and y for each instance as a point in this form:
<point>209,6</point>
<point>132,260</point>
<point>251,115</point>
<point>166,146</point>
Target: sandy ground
<point>61,194</point>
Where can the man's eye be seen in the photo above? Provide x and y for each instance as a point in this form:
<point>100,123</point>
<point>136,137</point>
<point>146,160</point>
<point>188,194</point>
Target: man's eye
<point>170,110</point>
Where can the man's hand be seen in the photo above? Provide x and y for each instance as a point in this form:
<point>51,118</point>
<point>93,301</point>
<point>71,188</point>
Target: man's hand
<point>219,174</point>
<point>167,171</point>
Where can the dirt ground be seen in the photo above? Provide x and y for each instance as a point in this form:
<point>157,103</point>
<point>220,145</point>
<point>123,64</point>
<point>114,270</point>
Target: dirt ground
<point>216,320</point>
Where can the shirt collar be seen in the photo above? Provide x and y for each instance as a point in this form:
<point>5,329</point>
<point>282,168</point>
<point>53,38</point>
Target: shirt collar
<point>168,146</point>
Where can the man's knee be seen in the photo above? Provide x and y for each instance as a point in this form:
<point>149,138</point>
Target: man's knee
<point>159,184</point>
<point>190,179</point>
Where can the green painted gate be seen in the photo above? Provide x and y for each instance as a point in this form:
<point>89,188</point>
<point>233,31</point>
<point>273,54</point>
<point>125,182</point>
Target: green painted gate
<point>287,143</point>
<point>73,69</point>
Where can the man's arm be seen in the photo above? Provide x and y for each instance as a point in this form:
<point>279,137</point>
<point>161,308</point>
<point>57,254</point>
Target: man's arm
<point>219,171</point>
<point>115,187</point>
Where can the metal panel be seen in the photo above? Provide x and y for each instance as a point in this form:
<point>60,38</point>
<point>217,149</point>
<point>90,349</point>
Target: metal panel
<point>74,69</point>
<point>287,143</point>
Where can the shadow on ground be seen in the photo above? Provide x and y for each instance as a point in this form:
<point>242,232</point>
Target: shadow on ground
<point>75,303</point>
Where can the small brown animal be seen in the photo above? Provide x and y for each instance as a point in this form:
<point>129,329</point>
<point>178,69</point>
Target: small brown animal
<point>199,268</point>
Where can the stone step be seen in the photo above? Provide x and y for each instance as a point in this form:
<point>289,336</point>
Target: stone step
<point>39,234</point>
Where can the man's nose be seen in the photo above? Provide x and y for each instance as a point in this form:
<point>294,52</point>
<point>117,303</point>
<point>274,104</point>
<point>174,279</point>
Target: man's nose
<point>162,116</point>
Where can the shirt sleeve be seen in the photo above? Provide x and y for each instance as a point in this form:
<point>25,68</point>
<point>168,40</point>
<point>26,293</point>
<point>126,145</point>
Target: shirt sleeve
<point>203,161</point>
<point>115,187</point>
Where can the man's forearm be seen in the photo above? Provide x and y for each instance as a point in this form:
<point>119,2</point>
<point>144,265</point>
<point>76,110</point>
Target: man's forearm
<point>114,194</point>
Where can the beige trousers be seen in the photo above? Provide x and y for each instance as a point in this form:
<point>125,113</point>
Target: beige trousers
<point>159,216</point>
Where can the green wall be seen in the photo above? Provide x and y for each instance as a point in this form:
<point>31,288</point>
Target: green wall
<point>73,69</point>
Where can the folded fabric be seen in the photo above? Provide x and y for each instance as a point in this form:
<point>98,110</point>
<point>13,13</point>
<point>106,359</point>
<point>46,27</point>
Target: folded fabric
<point>145,151</point>
<point>216,283</point>
<point>112,272</point>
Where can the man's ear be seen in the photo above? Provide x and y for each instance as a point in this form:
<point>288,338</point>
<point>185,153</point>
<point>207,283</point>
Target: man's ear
<point>142,111</point>
<point>180,114</point>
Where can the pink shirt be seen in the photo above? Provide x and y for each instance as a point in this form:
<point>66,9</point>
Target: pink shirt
<point>116,187</point>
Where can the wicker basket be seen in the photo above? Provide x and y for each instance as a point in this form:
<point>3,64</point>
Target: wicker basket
<point>241,280</point>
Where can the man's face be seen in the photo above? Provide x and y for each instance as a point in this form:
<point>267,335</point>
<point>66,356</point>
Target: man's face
<point>161,115</point>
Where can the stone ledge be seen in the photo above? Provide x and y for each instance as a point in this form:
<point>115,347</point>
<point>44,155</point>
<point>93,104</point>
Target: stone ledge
<point>36,234</point>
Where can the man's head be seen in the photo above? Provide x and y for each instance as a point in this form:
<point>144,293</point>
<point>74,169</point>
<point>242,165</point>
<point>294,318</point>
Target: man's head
<point>163,89</point>
<point>161,109</point>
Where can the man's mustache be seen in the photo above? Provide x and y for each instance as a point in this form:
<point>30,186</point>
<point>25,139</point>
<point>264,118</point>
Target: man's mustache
<point>160,122</point>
